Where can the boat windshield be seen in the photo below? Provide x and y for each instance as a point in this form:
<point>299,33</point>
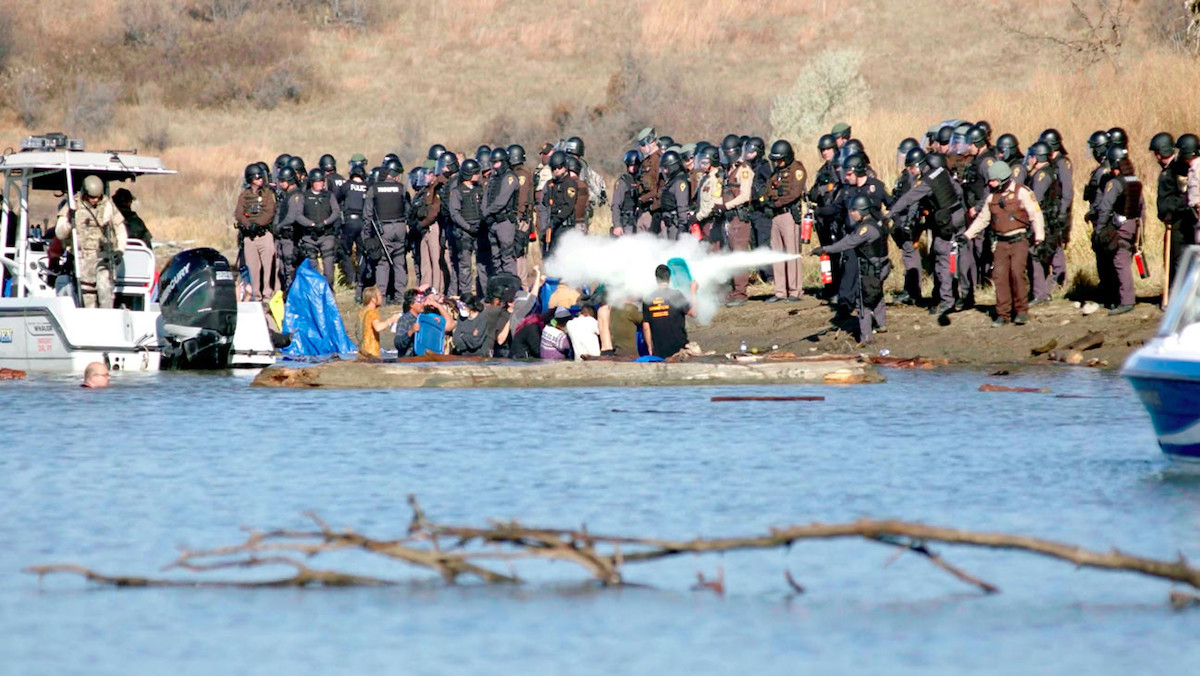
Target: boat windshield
<point>1184,308</point>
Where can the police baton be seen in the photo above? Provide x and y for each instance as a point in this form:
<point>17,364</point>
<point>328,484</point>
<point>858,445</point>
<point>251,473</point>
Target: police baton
<point>379,234</point>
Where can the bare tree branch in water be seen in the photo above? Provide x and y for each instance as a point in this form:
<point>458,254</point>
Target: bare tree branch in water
<point>472,552</point>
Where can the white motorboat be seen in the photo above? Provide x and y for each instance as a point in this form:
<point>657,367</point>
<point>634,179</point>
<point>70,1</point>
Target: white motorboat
<point>44,328</point>
<point>1165,372</point>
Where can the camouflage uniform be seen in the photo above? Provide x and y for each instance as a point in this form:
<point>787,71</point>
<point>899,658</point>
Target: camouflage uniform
<point>101,243</point>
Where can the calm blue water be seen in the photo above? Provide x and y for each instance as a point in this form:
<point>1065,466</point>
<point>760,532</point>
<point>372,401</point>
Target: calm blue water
<point>117,479</point>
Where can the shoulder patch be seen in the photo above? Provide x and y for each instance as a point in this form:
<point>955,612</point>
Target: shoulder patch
<point>683,186</point>
<point>1040,176</point>
<point>871,188</point>
<point>521,180</point>
<point>799,174</point>
<point>510,179</point>
<point>570,192</point>
<point>862,231</point>
<point>1108,186</point>
<point>987,163</point>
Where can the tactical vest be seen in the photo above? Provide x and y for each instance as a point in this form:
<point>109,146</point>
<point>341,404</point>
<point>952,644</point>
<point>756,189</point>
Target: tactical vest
<point>509,212</point>
<point>354,197</point>
<point>443,191</point>
<point>93,225</point>
<point>1129,203</point>
<point>876,251</point>
<point>1007,213</point>
<point>1050,201</point>
<point>389,202</point>
<point>318,207</point>
<point>420,207</point>
<point>670,198</point>
<point>471,211</point>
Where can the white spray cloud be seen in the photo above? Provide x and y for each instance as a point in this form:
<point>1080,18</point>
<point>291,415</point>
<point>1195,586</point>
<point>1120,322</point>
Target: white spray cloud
<point>625,265</point>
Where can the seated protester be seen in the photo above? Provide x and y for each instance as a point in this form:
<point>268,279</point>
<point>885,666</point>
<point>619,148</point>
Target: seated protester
<point>619,325</point>
<point>527,337</point>
<point>368,345</point>
<point>584,333</point>
<point>470,335</point>
<point>495,320</point>
<point>664,316</point>
<point>406,326</point>
<point>555,345</point>
<point>563,296</point>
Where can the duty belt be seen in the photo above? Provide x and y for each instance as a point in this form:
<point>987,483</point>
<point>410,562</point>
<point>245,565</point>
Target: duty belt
<point>1012,236</point>
<point>351,214</point>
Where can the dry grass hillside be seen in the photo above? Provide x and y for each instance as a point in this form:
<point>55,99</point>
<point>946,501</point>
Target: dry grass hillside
<point>214,84</point>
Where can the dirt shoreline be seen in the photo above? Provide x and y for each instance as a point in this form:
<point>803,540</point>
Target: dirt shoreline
<point>805,328</point>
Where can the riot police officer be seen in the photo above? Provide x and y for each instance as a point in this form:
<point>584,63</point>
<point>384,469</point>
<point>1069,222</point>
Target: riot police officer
<point>352,199</point>
<point>1043,181</point>
<point>386,211</point>
<point>1118,219</point>
<point>907,238</point>
<point>466,211</point>
<point>561,201</point>
<point>500,208</point>
<point>525,211</point>
<point>933,192</point>
<point>1066,190</point>
<point>333,180</point>
<point>316,224</point>
<point>1172,207</point>
<point>676,195</point>
<point>735,201</point>
<point>254,215</point>
<point>784,205</point>
<point>867,241</point>
<point>287,214</point>
<point>624,202</point>
<point>445,182</point>
<point>826,183</point>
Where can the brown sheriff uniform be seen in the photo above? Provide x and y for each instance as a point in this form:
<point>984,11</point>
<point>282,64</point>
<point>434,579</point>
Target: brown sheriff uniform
<point>788,185</point>
<point>254,214</point>
<point>736,193</point>
<point>1011,213</point>
<point>581,204</point>
<point>648,187</point>
<point>525,196</point>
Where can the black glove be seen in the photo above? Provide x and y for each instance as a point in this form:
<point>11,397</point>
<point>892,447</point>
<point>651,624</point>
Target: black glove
<point>817,250</point>
<point>961,240</point>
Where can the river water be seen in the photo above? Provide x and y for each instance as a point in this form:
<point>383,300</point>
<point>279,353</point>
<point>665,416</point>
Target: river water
<point>117,479</point>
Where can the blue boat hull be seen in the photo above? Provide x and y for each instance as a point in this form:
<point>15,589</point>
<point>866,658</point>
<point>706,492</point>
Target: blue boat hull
<point>1174,407</point>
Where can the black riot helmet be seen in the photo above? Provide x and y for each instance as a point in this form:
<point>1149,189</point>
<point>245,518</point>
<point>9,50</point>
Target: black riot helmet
<point>633,158</point>
<point>286,175</point>
<point>253,171</point>
<point>977,136</point>
<point>327,163</point>
<point>469,169</point>
<point>282,160</point>
<point>558,160</point>
<point>708,154</point>
<point>297,165</point>
<point>1098,142</point>
<point>853,146</point>
<point>670,163</point>
<point>375,176</point>
<point>393,167</point>
<point>731,149</point>
<point>986,127</point>
<point>861,204</point>
<point>855,164</point>
<point>1115,154</point>
<point>935,161</point>
<point>574,165</point>
<point>1039,151</point>
<point>914,157</point>
<point>418,178</point>
<point>574,146</point>
<point>266,168</point>
<point>358,170</point>
<point>516,155</point>
<point>1163,144</point>
<point>483,155</point>
<point>447,163</point>
<point>1188,146</point>
<point>499,155</point>
<point>665,142</point>
<point>1118,137</point>
<point>1008,147</point>
<point>1052,138</point>
<point>753,146</point>
<point>902,150</point>
<point>435,151</point>
<point>826,142</point>
<point>317,174</point>
<point>944,134</point>
<point>781,151</point>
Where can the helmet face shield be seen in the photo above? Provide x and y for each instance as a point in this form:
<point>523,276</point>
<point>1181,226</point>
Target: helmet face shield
<point>446,162</point>
<point>729,155</point>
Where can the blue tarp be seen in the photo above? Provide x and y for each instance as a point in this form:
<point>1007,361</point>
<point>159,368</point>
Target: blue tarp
<point>311,316</point>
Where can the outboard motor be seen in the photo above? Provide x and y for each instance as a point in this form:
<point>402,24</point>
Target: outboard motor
<point>198,306</point>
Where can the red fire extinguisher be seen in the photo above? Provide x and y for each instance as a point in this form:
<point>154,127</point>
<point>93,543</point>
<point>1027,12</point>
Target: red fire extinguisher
<point>1140,262</point>
<point>806,226</point>
<point>826,269</point>
<point>954,258</point>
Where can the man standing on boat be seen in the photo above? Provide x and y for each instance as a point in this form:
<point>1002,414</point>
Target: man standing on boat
<point>100,242</point>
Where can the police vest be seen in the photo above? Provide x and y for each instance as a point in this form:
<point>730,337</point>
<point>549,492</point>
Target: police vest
<point>318,207</point>
<point>1007,212</point>
<point>443,192</point>
<point>1050,200</point>
<point>874,251</point>
<point>1129,204</point>
<point>334,182</point>
<point>471,211</point>
<point>389,202</point>
<point>509,212</point>
<point>676,186</point>
<point>354,196</point>
<point>942,194</point>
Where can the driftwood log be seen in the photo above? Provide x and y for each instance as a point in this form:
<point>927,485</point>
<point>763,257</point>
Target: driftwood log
<point>490,554</point>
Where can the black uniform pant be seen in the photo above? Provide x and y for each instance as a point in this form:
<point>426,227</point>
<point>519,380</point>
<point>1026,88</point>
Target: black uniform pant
<point>501,240</point>
<point>324,246</point>
<point>827,234</point>
<point>391,272</point>
<point>352,227</point>
<point>848,286</point>
<point>286,247</point>
<point>462,255</point>
<point>1184,233</point>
